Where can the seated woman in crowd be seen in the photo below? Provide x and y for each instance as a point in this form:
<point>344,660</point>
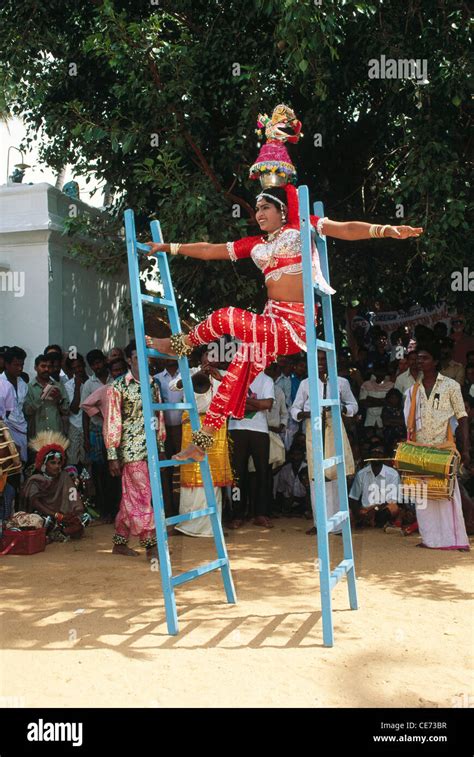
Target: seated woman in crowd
<point>51,492</point>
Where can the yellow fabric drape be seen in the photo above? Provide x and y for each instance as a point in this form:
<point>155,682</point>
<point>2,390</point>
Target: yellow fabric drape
<point>218,455</point>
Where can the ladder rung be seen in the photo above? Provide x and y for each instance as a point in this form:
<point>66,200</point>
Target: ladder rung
<point>172,463</point>
<point>335,520</point>
<point>155,353</point>
<point>342,570</point>
<point>171,405</point>
<point>190,516</point>
<point>157,301</point>
<point>329,403</point>
<point>330,461</point>
<point>190,574</point>
<point>322,345</point>
<point>141,246</point>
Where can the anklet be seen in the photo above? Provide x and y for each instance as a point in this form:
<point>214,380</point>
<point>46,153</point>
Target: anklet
<point>119,540</point>
<point>179,346</point>
<point>202,440</point>
<point>148,543</point>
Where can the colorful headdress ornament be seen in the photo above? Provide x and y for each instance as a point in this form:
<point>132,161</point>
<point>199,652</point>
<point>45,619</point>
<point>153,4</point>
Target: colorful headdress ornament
<point>48,444</point>
<point>273,166</point>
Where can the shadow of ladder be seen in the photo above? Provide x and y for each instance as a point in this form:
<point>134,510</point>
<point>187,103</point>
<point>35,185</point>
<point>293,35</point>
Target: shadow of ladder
<point>155,465</point>
<point>324,525</point>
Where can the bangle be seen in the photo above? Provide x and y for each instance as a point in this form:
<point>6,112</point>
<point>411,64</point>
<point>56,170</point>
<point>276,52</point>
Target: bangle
<point>375,230</point>
<point>174,247</point>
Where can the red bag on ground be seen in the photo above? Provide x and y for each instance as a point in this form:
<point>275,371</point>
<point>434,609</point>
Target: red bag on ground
<point>26,542</point>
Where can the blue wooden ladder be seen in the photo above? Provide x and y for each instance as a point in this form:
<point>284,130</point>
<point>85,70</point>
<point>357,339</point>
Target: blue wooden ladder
<point>328,578</point>
<point>155,465</point>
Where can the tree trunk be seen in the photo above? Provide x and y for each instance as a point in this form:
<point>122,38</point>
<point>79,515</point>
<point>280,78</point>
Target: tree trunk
<point>60,177</point>
<point>108,195</point>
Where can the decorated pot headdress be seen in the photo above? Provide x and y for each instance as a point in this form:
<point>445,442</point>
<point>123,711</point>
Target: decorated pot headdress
<point>273,165</point>
<point>47,445</point>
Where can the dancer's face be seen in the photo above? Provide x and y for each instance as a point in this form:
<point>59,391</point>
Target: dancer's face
<point>268,216</point>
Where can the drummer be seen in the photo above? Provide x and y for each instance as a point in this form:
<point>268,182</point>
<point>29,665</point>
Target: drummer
<point>438,409</point>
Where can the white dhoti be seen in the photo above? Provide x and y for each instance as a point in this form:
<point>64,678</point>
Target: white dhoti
<point>441,523</point>
<point>192,499</point>
<point>332,496</point>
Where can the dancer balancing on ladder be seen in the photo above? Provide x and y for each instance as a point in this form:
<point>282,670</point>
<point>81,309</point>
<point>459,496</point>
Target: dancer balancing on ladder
<point>280,329</point>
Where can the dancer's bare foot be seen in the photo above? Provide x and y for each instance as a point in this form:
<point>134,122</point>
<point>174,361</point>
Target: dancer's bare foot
<point>190,452</point>
<point>162,345</point>
<point>122,549</point>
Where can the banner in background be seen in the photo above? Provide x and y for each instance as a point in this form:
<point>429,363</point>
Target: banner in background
<point>390,320</point>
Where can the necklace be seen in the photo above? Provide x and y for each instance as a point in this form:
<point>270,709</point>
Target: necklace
<point>272,236</point>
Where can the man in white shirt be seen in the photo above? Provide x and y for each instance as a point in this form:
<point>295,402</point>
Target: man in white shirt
<point>284,379</point>
<point>251,439</point>
<point>16,421</point>
<point>174,429</point>
<point>172,417</point>
<point>76,454</point>
<point>7,400</point>
<point>277,416</point>
<point>406,379</point>
<point>11,381</point>
<point>107,488</point>
<point>375,488</point>
<point>372,397</point>
<point>300,411</point>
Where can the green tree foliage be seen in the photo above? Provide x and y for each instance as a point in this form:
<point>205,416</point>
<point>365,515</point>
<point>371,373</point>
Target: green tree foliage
<point>160,100</point>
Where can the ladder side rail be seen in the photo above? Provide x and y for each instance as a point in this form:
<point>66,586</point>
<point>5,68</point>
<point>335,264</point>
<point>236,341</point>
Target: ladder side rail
<point>337,421</point>
<point>315,419</point>
<point>150,431</point>
<point>183,365</point>
<point>332,366</point>
<point>221,549</point>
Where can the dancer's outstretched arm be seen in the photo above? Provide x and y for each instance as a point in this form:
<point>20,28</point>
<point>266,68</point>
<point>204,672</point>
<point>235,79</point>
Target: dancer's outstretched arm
<point>348,230</point>
<point>354,230</point>
<point>201,250</point>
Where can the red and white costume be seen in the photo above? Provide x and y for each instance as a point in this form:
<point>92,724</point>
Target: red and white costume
<point>279,330</point>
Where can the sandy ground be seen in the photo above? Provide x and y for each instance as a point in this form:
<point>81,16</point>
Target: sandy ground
<point>81,627</point>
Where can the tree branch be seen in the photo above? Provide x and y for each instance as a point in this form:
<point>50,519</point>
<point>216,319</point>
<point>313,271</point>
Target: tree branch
<point>201,160</point>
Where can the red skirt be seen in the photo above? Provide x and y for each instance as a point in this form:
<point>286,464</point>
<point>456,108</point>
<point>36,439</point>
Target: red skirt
<point>279,330</point>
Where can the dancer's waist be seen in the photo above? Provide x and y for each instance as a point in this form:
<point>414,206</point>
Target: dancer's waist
<point>285,309</point>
